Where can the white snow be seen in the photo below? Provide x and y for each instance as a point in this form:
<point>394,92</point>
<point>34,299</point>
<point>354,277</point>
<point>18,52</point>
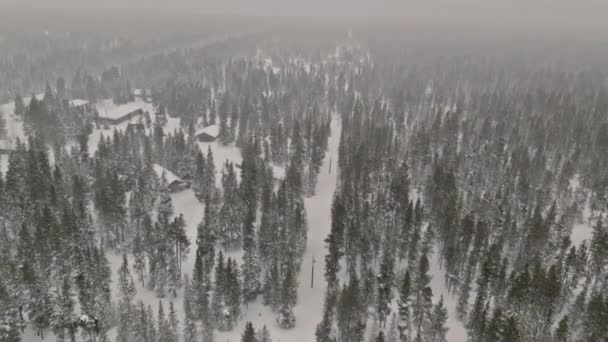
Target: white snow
<point>457,331</point>
<point>140,92</point>
<point>309,309</point>
<point>582,229</point>
<point>78,102</point>
<point>14,123</point>
<point>14,129</point>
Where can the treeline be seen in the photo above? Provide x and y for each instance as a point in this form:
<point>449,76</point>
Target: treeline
<point>501,174</point>
<point>66,209</point>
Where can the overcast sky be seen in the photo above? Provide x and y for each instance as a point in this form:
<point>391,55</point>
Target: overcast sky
<point>542,8</point>
<point>564,14</point>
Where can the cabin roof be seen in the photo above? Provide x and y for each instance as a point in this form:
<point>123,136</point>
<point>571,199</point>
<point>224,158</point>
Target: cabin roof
<point>169,176</point>
<point>212,130</point>
<point>108,110</point>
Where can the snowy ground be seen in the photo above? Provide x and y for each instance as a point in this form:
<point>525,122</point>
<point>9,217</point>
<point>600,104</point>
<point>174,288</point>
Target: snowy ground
<point>309,309</point>
<point>14,129</point>
<point>581,230</point>
<point>310,300</point>
<point>457,331</point>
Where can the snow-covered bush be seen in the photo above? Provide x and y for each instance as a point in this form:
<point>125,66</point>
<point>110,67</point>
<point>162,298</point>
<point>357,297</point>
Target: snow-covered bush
<point>286,319</point>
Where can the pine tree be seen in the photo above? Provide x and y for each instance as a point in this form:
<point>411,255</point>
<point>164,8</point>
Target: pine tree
<point>126,288</point>
<point>511,332</point>
<point>139,257</point>
<point>140,325</point>
<point>350,312</point>
<point>599,247</point>
<point>126,285</point>
<point>287,319</point>
<point>494,328</point>
<point>289,287</point>
<point>151,329</point>
<point>210,174</point>
<point>463,300</point>
<point>250,267</point>
<point>562,332</point>
<point>439,317</point>
<point>392,334</point>
<point>173,323</point>
<point>199,179</point>
<point>324,331</point>
<point>234,291</point>
<point>405,327</point>
<point>249,333</point>
<point>271,287</point>
<point>176,236</point>
<point>596,318</point>
<point>385,282</point>
<point>263,335</point>
<point>127,291</point>
<point>11,316</point>
<point>190,328</point>
<point>218,292</point>
<point>165,204</point>
<point>163,328</point>
<point>19,105</point>
<point>423,294</point>
<point>64,318</point>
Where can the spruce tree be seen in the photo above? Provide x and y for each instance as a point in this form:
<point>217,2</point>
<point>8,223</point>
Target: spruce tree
<point>173,323</point>
<point>250,267</point>
<point>249,333</point>
<point>126,288</point>
<point>562,332</point>
<point>324,331</point>
<point>423,294</point>
<point>263,335</point>
<point>439,317</point>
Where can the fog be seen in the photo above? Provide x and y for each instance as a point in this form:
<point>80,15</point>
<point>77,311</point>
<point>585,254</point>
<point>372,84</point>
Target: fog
<point>565,13</point>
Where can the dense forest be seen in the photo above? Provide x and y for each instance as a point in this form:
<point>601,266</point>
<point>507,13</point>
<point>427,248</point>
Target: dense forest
<point>467,182</point>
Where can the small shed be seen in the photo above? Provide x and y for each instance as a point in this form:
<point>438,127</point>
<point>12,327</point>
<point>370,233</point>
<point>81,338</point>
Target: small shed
<point>174,183</point>
<point>208,134</point>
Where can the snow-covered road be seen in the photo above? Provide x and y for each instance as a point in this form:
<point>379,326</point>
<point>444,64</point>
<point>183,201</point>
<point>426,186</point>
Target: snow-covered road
<point>309,309</point>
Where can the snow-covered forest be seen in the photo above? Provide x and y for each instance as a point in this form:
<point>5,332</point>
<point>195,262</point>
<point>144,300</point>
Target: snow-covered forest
<point>306,184</point>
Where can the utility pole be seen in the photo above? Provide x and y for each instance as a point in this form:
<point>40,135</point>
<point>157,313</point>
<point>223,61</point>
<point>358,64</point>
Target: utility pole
<point>330,164</point>
<point>312,274</point>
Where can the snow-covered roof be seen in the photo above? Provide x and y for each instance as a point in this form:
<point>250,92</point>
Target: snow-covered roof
<point>169,176</point>
<point>107,108</point>
<point>78,102</point>
<point>212,130</point>
<point>140,92</point>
